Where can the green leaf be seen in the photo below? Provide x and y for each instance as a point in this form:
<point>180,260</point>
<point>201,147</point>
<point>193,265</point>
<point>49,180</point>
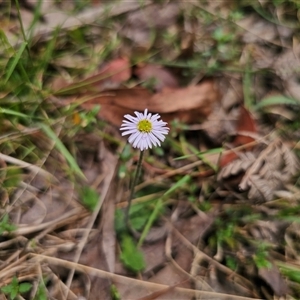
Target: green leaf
<point>261,262</point>
<point>119,221</point>
<point>13,177</point>
<point>139,214</point>
<point>231,262</point>
<point>13,293</point>
<point>292,272</point>
<point>14,288</point>
<point>6,289</point>
<point>15,282</point>
<point>275,100</point>
<point>131,257</point>
<point>126,154</point>
<point>90,197</point>
<point>138,222</point>
<point>24,287</point>
<point>114,293</point>
<point>6,226</point>
<point>41,293</point>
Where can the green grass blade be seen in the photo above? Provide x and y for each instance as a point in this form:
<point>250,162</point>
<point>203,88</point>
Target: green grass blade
<point>177,185</point>
<point>276,100</point>
<point>8,111</point>
<point>15,61</point>
<point>201,153</point>
<point>61,147</point>
<point>5,45</point>
<point>152,218</point>
<point>158,206</point>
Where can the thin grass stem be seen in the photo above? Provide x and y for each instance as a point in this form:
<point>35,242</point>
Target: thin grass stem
<point>134,182</point>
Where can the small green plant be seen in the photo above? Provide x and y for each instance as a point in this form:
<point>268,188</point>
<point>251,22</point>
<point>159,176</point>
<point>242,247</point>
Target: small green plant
<point>226,233</point>
<point>89,118</point>
<point>114,293</point>
<point>86,120</point>
<point>261,256</point>
<point>131,256</point>
<point>14,288</point>
<point>231,262</point>
<point>89,197</point>
<point>290,271</point>
<point>41,293</point>
<point>5,225</point>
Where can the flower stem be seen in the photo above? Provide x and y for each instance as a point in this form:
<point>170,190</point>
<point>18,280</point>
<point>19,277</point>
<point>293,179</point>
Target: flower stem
<point>136,176</point>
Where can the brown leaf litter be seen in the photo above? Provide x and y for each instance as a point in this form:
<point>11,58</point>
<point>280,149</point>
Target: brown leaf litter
<point>58,238</point>
<point>188,104</point>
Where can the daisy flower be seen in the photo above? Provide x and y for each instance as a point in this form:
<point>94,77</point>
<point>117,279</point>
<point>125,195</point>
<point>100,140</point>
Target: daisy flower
<point>145,130</point>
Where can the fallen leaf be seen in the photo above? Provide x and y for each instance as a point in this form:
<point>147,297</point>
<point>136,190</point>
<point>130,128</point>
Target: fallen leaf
<point>222,121</point>
<point>170,275</point>
<point>245,124</point>
<point>110,75</point>
<point>274,279</point>
<point>189,104</point>
<point>115,72</point>
<point>139,24</point>
<point>161,76</point>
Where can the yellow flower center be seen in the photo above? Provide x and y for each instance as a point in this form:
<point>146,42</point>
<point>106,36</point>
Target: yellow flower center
<point>144,126</point>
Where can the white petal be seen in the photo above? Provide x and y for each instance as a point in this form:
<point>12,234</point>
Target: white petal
<point>125,122</point>
<point>137,140</point>
<point>155,117</point>
<point>154,139</point>
<point>128,132</point>
<point>139,115</point>
<point>125,127</point>
<point>159,136</point>
<point>148,145</point>
<point>130,118</point>
<point>145,112</point>
<point>132,138</point>
<point>141,145</point>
